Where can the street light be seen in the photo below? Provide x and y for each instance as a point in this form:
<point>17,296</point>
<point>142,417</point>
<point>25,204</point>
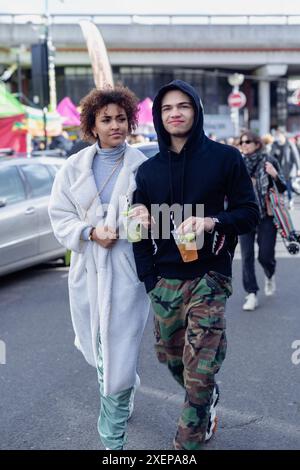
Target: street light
<point>51,50</point>
<point>44,83</point>
<point>236,80</point>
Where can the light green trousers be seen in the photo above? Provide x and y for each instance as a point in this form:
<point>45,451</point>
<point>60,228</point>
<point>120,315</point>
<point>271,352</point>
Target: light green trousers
<point>114,413</point>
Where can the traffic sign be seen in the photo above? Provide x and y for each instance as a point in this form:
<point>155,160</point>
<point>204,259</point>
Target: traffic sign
<point>237,99</point>
<point>296,97</point>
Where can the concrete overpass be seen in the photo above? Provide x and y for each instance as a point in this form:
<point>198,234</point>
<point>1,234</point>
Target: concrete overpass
<point>246,45</point>
<point>263,47</point>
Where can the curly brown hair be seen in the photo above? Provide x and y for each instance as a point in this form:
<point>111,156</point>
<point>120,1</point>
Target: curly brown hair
<point>97,99</point>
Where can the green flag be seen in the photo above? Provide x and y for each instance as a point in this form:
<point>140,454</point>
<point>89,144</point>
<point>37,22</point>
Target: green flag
<point>9,105</point>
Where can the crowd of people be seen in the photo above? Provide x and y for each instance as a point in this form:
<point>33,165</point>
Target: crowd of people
<point>214,193</point>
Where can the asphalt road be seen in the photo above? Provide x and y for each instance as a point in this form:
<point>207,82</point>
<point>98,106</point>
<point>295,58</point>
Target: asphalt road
<point>49,395</point>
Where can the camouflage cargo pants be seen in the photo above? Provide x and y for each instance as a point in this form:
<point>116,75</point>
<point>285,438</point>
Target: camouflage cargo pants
<point>190,338</point>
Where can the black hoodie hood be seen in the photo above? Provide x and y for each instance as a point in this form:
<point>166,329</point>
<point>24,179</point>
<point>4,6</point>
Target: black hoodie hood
<point>196,136</point>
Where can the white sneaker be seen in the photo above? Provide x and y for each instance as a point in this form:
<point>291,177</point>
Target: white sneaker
<point>270,286</point>
<point>251,302</point>
<point>131,401</point>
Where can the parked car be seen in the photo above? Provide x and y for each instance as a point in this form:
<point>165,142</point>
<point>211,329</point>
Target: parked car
<point>148,148</point>
<point>6,152</point>
<point>58,153</point>
<point>26,236</point>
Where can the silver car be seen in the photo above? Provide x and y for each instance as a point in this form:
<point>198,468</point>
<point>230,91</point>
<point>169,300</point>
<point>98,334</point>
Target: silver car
<point>149,149</point>
<point>26,236</point>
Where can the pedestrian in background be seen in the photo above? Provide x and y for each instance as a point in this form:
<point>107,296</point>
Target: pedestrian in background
<point>287,156</point>
<point>189,293</point>
<point>267,142</point>
<point>264,171</point>
<point>109,307</point>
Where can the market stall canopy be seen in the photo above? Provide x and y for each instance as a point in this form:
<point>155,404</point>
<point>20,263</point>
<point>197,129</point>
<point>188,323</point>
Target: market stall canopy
<point>67,109</point>
<point>13,133</point>
<point>35,122</point>
<point>9,105</point>
<point>145,112</point>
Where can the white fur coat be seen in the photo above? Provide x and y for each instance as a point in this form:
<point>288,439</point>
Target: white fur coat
<point>106,296</point>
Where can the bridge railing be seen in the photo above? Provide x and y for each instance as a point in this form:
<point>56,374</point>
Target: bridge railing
<point>153,19</point>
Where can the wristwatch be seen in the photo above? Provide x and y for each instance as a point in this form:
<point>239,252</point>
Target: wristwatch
<point>215,221</point>
<point>90,237</point>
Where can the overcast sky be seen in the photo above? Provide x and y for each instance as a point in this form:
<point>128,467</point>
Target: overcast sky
<point>153,6</point>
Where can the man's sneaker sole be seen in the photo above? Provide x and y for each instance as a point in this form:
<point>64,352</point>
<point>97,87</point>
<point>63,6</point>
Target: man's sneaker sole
<point>213,419</point>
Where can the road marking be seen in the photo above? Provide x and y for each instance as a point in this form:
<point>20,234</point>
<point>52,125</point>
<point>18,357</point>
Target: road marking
<point>2,352</point>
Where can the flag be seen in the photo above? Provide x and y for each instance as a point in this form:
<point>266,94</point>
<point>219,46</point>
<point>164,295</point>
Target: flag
<point>98,54</point>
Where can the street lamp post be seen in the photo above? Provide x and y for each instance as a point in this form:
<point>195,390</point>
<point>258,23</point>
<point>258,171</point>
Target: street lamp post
<point>51,64</point>
<point>235,80</point>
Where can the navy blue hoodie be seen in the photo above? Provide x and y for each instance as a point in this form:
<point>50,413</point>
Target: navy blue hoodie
<point>204,172</point>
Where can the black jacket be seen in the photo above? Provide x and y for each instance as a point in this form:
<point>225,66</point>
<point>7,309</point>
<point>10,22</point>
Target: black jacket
<point>205,172</point>
<point>280,181</point>
<point>286,155</point>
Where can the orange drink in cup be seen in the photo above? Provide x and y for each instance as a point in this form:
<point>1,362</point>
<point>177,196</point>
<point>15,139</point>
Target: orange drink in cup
<point>187,246</point>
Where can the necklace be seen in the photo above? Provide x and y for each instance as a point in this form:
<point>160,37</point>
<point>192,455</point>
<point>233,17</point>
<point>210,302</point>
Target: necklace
<point>116,166</point>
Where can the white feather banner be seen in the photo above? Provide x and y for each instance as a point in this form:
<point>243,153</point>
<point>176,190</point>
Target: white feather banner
<point>98,54</point>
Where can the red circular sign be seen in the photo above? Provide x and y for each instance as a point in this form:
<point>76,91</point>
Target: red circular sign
<point>296,96</point>
<point>237,99</point>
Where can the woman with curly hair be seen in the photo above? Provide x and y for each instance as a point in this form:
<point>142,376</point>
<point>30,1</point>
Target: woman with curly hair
<point>109,306</point>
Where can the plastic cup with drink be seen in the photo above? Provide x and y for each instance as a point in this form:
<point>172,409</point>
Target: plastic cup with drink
<point>132,227</point>
<point>186,244</point>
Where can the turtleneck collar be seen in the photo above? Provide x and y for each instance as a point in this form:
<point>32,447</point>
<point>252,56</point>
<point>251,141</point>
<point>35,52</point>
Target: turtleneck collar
<point>110,155</point>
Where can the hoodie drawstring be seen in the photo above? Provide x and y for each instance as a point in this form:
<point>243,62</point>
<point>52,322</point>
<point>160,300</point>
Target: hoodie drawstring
<point>182,178</point>
<point>170,178</point>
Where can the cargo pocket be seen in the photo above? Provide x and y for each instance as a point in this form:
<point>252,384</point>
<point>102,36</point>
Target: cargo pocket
<point>221,282</point>
<point>218,289</point>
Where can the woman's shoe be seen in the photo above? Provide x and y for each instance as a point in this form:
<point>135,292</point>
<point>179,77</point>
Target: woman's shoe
<point>251,302</point>
<point>270,286</point>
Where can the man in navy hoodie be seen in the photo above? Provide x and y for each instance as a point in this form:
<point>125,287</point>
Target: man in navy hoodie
<point>188,298</point>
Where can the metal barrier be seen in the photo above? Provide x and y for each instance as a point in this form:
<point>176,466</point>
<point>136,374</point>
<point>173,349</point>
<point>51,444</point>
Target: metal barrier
<point>186,19</point>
